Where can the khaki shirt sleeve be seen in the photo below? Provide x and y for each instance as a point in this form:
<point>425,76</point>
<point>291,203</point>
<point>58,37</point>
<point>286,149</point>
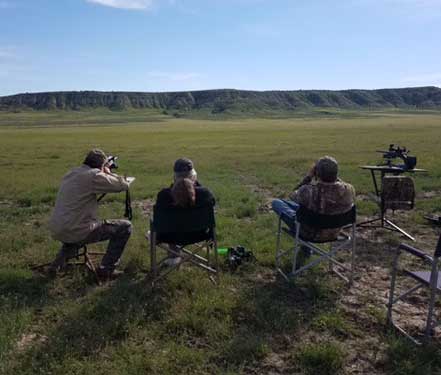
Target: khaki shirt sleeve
<point>108,183</point>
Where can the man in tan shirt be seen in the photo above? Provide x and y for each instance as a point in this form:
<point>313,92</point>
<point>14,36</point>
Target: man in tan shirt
<point>74,220</point>
<point>320,191</point>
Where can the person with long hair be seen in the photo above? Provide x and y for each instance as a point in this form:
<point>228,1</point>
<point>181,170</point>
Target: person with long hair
<point>185,192</point>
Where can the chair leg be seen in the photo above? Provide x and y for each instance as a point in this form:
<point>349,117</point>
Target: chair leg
<point>353,249</point>
<point>153,264</point>
<point>211,245</point>
<point>429,323</point>
<point>392,288</point>
<point>330,264</point>
<point>294,257</point>
<point>216,261</point>
<point>90,265</point>
<point>433,289</point>
<point>279,233</point>
<point>296,248</point>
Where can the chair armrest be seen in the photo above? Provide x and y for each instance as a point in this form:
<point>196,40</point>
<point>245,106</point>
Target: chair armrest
<point>416,252</point>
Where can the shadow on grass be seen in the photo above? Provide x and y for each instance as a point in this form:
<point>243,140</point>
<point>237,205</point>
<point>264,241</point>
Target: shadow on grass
<point>185,326</point>
<point>104,317</point>
<point>21,285</point>
<point>270,316</point>
<point>403,357</point>
<point>21,295</point>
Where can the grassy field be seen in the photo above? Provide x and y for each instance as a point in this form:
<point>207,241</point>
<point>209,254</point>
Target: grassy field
<point>253,322</point>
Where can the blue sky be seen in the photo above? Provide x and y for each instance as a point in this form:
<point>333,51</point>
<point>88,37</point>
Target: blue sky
<point>173,45</point>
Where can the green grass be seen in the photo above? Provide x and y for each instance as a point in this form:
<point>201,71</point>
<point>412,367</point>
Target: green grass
<point>187,325</point>
<point>405,359</point>
<point>323,359</point>
<point>333,322</point>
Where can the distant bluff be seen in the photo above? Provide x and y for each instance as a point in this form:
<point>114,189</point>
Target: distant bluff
<point>228,100</point>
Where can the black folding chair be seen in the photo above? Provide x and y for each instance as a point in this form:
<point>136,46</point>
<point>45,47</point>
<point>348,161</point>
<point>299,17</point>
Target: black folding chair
<point>190,232</point>
<point>428,279</point>
<point>317,223</point>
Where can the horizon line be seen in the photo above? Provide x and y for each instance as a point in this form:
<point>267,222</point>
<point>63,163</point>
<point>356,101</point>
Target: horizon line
<point>218,89</point>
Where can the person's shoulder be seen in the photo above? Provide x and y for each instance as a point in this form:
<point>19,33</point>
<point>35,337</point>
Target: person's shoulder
<point>200,188</point>
<point>203,191</point>
<point>305,189</point>
<point>164,198</point>
<point>86,170</point>
<point>345,185</point>
<point>204,196</point>
<point>346,190</point>
<point>166,192</point>
<point>82,170</point>
<point>304,194</point>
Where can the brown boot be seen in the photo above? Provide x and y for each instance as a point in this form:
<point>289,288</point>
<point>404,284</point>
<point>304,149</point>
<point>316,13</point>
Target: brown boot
<point>106,274</point>
<point>58,264</point>
<point>66,252</point>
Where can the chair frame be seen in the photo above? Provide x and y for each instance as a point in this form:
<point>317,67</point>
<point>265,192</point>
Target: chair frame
<point>432,285</point>
<point>306,216</point>
<point>188,252</point>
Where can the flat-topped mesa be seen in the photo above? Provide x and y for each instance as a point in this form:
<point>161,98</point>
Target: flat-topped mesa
<point>224,100</point>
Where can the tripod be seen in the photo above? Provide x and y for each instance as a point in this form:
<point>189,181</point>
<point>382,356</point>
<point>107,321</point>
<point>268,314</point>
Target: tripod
<point>382,220</point>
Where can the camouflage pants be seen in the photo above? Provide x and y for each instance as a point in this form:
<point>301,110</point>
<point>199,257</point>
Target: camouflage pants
<point>116,231</point>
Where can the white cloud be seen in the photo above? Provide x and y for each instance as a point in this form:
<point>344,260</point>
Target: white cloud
<point>124,4</point>
<point>424,79</point>
<point>174,76</point>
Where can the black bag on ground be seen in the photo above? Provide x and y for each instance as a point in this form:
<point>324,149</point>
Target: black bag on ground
<point>237,255</point>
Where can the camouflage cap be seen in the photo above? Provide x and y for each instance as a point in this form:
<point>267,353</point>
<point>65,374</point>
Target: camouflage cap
<point>327,168</point>
<point>95,158</point>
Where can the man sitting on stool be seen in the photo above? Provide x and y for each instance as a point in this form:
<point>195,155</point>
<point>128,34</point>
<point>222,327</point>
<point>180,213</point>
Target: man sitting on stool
<point>321,191</point>
<point>74,220</point>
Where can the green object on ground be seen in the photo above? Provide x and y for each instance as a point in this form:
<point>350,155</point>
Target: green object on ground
<point>222,250</point>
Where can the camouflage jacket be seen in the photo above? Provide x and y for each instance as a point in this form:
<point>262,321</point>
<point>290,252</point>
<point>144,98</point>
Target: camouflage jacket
<point>330,198</point>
